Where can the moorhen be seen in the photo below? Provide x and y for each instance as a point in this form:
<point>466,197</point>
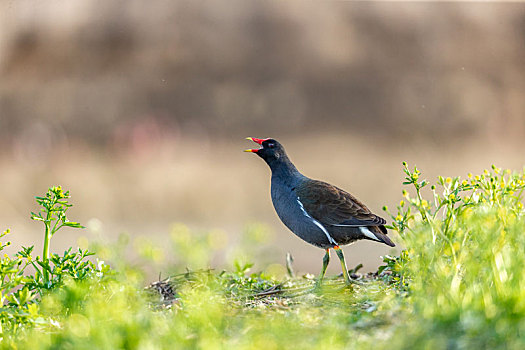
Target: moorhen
<point>317,212</point>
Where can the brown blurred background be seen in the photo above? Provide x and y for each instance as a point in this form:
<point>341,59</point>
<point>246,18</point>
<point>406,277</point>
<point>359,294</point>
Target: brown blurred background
<point>141,108</point>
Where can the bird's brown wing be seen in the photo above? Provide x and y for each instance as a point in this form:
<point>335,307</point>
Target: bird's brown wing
<point>333,206</point>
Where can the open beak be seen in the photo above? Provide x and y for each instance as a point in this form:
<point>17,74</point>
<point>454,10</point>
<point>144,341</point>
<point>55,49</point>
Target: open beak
<point>258,141</point>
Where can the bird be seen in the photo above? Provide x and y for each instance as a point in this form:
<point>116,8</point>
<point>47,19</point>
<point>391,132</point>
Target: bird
<point>317,212</point>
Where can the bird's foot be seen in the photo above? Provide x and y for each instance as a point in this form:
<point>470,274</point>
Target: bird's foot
<point>318,287</point>
<point>331,285</point>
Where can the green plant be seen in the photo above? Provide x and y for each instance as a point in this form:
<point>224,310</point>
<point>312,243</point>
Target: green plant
<point>458,284</point>
<point>395,269</point>
<point>16,299</point>
<point>53,214</point>
<point>465,260</point>
<point>18,290</point>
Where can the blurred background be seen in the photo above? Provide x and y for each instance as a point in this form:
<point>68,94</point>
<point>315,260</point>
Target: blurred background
<point>141,109</point>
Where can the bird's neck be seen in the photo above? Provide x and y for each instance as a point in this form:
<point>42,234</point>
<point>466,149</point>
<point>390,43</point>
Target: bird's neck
<point>284,169</point>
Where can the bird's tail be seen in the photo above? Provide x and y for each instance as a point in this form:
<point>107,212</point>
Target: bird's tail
<point>381,233</point>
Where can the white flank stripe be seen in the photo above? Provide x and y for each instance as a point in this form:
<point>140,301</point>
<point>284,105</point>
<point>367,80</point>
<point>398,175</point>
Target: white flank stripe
<point>317,223</point>
<point>368,233</point>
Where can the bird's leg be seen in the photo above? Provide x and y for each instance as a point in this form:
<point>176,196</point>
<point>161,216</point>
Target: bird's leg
<point>341,257</point>
<point>326,260</point>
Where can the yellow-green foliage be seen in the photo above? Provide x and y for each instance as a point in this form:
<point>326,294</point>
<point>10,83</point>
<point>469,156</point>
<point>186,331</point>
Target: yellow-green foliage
<point>466,271</point>
<point>114,313</point>
<point>459,284</point>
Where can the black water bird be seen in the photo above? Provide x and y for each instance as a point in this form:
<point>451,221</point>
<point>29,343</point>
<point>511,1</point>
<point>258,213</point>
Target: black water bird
<point>317,212</point>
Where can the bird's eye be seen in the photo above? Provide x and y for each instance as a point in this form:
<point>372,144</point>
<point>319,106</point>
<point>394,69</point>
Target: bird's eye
<point>271,145</point>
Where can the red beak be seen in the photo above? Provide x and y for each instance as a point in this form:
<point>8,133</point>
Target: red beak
<point>259,141</point>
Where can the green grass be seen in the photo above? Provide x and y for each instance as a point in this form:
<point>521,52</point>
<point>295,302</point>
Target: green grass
<point>459,284</point>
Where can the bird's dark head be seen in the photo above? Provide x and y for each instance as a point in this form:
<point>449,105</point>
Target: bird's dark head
<point>271,150</point>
